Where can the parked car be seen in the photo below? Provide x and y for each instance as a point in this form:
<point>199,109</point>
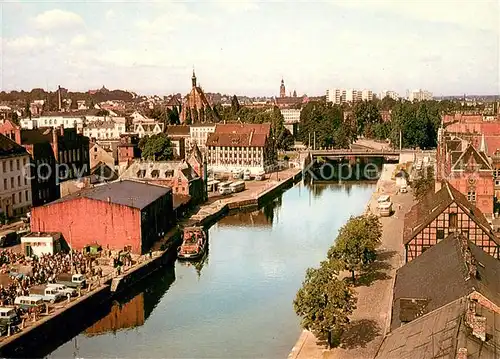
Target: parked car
<point>45,293</point>
<point>61,288</point>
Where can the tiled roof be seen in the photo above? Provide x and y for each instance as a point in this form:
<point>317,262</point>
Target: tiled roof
<point>126,193</point>
<point>471,156</point>
<point>9,147</point>
<point>178,130</point>
<point>425,211</point>
<point>174,101</point>
<point>264,128</point>
<point>441,334</point>
<point>444,263</point>
<point>236,140</point>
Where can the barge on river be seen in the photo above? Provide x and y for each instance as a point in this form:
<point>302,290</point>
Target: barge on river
<point>194,244</point>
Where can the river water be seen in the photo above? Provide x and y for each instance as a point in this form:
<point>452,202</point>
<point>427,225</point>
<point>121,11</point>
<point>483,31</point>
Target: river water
<point>238,304</point>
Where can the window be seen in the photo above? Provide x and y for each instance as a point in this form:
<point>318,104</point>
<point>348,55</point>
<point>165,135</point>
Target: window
<point>12,182</point>
<point>440,234</point>
<point>26,195</point>
<point>19,196</point>
<point>4,169</point>
<point>17,164</point>
<point>471,196</point>
<point>5,184</point>
<point>453,220</point>
<point>11,163</point>
<point>24,161</point>
<point>13,198</point>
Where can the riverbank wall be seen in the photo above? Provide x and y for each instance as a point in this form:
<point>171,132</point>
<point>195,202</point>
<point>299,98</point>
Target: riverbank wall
<point>64,323</point>
<point>57,327</point>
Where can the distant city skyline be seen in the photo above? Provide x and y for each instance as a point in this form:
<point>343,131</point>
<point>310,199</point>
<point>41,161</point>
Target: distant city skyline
<point>247,47</point>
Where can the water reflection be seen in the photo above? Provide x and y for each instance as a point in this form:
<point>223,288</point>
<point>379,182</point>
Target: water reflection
<point>241,305</point>
<point>263,218</point>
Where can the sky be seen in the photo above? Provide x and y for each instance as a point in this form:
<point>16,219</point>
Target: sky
<point>448,47</point>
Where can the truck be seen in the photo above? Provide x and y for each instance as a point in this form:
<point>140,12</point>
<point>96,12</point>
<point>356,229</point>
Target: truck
<point>45,293</point>
<point>72,280</point>
<point>61,288</point>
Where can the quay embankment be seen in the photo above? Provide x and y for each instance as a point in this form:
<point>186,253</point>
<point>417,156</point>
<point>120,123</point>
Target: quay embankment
<point>370,320</point>
<point>65,320</point>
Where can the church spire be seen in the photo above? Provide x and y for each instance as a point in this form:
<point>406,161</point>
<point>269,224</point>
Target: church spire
<point>193,79</point>
<point>483,147</point>
<point>282,88</point>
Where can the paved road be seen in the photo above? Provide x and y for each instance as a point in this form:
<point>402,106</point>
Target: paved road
<point>371,318</point>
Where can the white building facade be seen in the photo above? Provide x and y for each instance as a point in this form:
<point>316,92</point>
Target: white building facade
<point>15,184</point>
<point>199,133</point>
<point>420,95</point>
<point>109,129</point>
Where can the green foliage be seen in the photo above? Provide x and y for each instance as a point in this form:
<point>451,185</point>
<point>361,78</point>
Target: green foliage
<point>424,183</point>
<point>324,302</point>
<point>158,147</point>
<point>356,243</point>
<point>173,117</point>
<point>235,105</point>
<point>327,121</point>
<point>366,114</point>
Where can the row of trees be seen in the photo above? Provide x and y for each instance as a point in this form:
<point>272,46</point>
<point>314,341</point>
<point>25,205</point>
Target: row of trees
<point>413,124</point>
<point>157,148</point>
<point>325,301</point>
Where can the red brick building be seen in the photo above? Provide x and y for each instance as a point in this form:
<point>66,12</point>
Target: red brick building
<point>128,149</point>
<point>442,213</point>
<point>195,106</point>
<point>118,215</point>
<point>466,168</point>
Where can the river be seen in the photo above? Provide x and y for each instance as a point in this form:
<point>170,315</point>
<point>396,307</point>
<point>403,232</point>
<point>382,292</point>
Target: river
<point>239,303</point>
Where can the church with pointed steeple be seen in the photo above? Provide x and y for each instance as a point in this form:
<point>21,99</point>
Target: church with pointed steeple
<point>292,101</point>
<point>195,106</point>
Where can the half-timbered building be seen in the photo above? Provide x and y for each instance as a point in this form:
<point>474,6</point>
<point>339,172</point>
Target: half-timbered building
<point>442,213</point>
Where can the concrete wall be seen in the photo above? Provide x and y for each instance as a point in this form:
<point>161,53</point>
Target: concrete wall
<point>83,221</point>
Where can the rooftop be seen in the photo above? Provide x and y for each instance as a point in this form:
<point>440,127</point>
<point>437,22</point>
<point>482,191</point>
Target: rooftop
<point>453,268</point>
<point>10,148</point>
<point>126,193</point>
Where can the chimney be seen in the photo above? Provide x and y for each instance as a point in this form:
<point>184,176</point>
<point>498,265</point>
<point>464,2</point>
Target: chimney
<point>59,97</point>
<point>462,353</point>
<point>61,130</point>
<point>476,322</point>
<point>55,144</point>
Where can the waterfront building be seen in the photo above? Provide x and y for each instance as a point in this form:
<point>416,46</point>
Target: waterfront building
<point>440,214</point>
<point>39,244</point>
<point>467,169</point>
<point>464,268</point>
<point>15,195</point>
<point>241,147</point>
<point>195,106</point>
<point>119,215</point>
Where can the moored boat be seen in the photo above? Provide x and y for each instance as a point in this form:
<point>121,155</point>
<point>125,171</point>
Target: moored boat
<point>194,244</point>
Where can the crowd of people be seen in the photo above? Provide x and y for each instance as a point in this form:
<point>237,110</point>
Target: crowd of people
<point>37,270</point>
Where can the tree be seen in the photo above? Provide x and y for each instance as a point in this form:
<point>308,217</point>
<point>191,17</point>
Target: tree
<point>158,147</point>
<point>423,184</point>
<point>366,114</point>
<point>324,302</point>
<point>356,243</point>
<point>173,116</point>
<point>235,105</point>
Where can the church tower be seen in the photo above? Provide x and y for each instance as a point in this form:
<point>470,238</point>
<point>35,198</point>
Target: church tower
<point>282,89</point>
<point>193,79</point>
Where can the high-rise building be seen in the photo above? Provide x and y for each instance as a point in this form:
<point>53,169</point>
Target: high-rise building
<point>336,96</point>
<point>388,93</point>
<point>366,95</point>
<point>420,95</point>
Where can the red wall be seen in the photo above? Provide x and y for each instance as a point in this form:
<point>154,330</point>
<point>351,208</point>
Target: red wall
<point>90,222</point>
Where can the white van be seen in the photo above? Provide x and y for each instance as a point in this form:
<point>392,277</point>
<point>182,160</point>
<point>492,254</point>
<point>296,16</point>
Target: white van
<point>384,198</point>
<point>8,316</point>
<point>27,302</point>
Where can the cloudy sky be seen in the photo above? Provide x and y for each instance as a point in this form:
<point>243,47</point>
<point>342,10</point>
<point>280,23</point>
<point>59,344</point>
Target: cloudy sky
<point>245,47</point>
